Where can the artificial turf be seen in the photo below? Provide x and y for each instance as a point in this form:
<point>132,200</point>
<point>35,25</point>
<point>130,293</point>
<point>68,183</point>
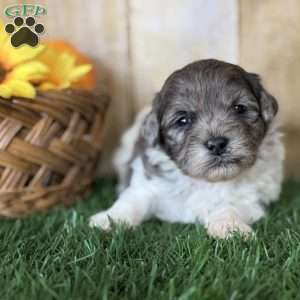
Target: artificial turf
<point>57,256</point>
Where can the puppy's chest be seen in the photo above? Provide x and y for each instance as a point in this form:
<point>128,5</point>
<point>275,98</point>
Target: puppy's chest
<point>180,198</point>
<point>187,200</point>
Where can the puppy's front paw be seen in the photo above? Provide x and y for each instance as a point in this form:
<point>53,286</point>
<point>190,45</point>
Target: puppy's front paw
<point>224,228</point>
<point>100,220</point>
<point>106,219</point>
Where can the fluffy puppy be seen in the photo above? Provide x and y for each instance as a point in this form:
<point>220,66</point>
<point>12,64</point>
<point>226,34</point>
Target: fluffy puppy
<point>207,151</point>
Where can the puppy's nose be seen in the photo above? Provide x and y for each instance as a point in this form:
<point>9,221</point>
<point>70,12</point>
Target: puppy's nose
<point>217,145</point>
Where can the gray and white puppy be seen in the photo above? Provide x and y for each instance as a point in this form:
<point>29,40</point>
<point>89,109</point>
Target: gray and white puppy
<point>207,151</point>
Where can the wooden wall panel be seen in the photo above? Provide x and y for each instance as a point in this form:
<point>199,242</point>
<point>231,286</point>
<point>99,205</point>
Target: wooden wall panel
<point>166,35</point>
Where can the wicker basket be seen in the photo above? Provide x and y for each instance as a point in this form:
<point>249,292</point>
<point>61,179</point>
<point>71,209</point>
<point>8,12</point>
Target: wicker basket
<point>49,149</point>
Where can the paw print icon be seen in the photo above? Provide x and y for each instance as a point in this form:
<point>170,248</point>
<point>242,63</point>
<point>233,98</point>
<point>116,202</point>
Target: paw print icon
<point>24,31</point>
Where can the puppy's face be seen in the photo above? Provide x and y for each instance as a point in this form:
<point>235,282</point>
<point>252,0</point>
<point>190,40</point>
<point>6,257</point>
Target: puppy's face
<point>210,118</point>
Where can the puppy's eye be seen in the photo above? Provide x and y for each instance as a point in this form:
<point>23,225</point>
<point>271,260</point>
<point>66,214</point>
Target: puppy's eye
<point>240,109</point>
<point>183,119</point>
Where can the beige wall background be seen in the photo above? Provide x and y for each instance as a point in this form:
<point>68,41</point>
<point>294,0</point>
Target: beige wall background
<point>136,44</point>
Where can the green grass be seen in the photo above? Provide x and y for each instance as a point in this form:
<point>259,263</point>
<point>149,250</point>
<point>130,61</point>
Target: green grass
<point>57,256</point>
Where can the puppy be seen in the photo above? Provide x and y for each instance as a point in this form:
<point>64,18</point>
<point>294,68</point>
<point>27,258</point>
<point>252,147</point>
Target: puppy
<point>207,151</point>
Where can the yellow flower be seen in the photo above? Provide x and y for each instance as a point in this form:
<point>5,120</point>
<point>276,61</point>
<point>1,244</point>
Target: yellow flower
<point>19,68</point>
<point>63,61</point>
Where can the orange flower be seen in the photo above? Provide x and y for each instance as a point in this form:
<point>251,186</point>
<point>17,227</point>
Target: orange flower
<point>89,80</point>
<point>67,67</point>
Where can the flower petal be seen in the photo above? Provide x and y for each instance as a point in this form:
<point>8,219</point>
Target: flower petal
<point>5,91</point>
<point>22,54</point>
<point>21,88</point>
<point>79,71</point>
<point>63,71</point>
<point>31,71</point>
<point>3,34</point>
<point>45,86</point>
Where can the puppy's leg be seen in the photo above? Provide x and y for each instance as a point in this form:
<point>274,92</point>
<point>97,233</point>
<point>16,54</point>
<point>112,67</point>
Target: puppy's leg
<point>223,223</point>
<point>131,208</point>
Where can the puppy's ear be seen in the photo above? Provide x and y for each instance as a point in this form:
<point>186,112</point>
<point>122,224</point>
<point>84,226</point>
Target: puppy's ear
<point>150,127</point>
<point>268,104</point>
